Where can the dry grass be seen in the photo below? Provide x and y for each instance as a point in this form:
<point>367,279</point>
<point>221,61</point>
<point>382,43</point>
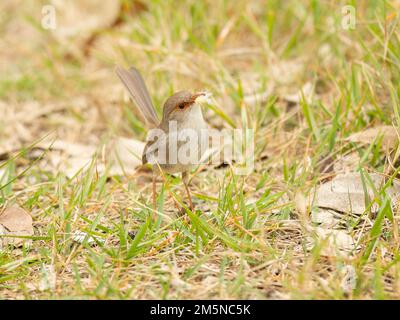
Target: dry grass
<point>249,237</point>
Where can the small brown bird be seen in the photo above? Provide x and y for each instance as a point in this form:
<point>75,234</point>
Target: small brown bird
<point>181,111</point>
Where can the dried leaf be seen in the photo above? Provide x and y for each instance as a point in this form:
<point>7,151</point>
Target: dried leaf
<point>15,221</point>
<point>345,193</point>
<point>69,157</point>
<point>74,149</point>
<point>125,155</point>
<point>122,155</point>
<point>390,137</point>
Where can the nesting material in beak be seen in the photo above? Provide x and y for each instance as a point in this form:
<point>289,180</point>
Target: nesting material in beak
<point>203,97</point>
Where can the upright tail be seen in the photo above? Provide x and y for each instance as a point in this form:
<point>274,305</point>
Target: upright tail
<point>137,89</point>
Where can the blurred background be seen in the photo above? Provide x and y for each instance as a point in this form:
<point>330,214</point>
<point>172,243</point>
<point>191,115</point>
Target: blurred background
<point>313,78</point>
<point>58,75</point>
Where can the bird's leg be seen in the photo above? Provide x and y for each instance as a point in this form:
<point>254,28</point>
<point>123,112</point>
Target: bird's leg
<point>185,180</point>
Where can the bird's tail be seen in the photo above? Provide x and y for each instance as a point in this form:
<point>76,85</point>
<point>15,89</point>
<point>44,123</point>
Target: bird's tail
<point>137,89</point>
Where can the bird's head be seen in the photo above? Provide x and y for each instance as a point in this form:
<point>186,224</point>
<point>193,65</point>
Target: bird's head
<point>183,106</point>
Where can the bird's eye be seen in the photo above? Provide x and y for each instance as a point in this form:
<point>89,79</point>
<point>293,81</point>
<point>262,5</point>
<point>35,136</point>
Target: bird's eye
<point>181,106</point>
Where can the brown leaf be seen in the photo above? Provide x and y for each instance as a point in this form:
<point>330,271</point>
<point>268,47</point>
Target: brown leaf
<point>122,155</point>
<point>15,221</point>
<point>125,155</point>
<point>68,157</point>
<point>345,193</point>
<point>389,141</point>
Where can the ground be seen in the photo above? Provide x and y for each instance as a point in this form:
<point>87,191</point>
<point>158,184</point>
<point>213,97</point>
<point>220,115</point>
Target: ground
<point>300,73</point>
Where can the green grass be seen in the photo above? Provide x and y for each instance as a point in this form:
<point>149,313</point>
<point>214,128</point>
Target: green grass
<point>247,237</point>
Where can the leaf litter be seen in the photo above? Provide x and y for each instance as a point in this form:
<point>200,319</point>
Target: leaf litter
<point>345,193</point>
<point>15,221</point>
<point>390,136</point>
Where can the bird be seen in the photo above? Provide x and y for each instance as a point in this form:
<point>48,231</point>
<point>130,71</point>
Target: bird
<point>181,113</point>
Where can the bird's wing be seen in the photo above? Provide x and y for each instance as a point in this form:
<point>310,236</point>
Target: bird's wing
<point>156,150</point>
<point>137,89</point>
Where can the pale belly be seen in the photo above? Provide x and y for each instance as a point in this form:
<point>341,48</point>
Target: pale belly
<point>180,149</point>
<point>177,156</point>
